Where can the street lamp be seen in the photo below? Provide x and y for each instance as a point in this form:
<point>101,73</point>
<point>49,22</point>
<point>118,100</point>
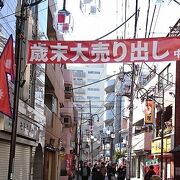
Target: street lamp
<point>112,136</point>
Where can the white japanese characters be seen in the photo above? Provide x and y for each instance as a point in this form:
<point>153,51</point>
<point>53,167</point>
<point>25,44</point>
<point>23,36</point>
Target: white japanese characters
<point>1,93</point>
<point>98,52</point>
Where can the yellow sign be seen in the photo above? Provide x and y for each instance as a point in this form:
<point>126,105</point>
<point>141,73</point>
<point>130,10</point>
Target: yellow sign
<point>156,145</point>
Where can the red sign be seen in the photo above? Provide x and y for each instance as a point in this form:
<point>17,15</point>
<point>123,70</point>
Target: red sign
<point>69,159</point>
<point>105,51</point>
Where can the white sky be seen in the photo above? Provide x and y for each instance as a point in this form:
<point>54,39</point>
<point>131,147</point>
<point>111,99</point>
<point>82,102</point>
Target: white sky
<point>91,27</point>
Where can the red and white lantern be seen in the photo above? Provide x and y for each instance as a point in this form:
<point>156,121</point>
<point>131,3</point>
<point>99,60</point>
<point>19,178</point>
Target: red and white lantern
<point>63,22</point>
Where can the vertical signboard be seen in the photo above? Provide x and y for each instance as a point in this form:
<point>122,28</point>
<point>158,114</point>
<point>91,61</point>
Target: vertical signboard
<point>149,112</point>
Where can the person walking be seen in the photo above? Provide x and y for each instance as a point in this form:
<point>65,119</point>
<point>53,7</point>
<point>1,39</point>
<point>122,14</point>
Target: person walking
<point>150,173</point>
<point>113,171</point>
<point>155,177</point>
<point>109,171</point>
<point>95,172</point>
<point>103,170</point>
<point>121,173</point>
<point>85,171</point>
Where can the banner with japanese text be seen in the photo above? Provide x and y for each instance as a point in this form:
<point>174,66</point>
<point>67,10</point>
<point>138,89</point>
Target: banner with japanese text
<point>105,51</point>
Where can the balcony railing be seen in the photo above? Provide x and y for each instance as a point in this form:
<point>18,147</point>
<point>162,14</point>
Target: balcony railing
<point>79,91</point>
<point>79,82</point>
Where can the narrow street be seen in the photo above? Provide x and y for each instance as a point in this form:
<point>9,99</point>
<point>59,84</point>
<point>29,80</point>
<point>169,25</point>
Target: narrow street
<point>90,178</point>
<point>89,87</point>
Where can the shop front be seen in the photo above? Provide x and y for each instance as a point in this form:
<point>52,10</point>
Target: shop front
<point>155,157</point>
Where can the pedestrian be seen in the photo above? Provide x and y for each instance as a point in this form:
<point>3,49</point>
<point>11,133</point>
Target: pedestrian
<point>113,171</point>
<point>121,173</point>
<point>103,170</point>
<point>85,171</point>
<point>150,173</point>
<point>94,172</point>
<point>155,177</point>
<point>109,171</point>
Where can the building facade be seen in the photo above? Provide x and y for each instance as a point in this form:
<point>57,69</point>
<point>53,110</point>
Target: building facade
<point>31,120</point>
<point>90,101</point>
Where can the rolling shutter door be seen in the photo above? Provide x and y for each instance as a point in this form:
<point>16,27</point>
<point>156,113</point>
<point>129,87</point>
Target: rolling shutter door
<point>22,161</point>
<point>4,160</point>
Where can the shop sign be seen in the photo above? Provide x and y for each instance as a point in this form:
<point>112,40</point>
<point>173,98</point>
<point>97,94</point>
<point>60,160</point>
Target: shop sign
<point>69,163</point>
<point>153,162</point>
<point>149,112</point>
<point>104,51</point>
<point>28,129</point>
<point>156,145</point>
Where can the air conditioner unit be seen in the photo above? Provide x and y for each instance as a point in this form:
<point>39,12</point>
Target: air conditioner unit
<point>66,120</point>
<point>68,89</point>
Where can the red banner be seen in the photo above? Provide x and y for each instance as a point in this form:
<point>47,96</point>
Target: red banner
<point>6,67</point>
<point>105,51</point>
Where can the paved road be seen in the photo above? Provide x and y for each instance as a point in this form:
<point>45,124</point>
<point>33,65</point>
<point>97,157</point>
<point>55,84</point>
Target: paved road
<point>90,178</point>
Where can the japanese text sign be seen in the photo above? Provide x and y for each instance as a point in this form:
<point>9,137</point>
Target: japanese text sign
<point>105,51</point>
<point>149,113</point>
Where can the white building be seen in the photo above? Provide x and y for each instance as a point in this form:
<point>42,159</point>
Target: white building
<point>91,99</point>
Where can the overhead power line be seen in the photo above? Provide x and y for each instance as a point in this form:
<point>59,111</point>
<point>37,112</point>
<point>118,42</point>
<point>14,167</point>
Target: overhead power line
<point>118,26</point>
<point>176,2</point>
<point>95,82</point>
<point>20,11</point>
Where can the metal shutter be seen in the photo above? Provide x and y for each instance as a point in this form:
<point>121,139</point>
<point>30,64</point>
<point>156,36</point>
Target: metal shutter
<point>22,161</point>
<point>4,160</point>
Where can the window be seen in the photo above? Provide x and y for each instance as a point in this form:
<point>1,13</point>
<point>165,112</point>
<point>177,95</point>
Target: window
<point>78,73</point>
<point>93,97</point>
<point>79,98</point>
<point>92,80</point>
<point>93,72</point>
<point>93,89</point>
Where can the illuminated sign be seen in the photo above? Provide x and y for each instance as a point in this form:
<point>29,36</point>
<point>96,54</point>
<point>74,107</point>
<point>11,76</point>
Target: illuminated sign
<point>156,145</point>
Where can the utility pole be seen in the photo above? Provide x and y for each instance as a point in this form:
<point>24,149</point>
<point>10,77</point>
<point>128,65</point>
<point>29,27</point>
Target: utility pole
<point>91,130</point>
<point>129,167</point>
<point>20,19</point>
<point>162,133</point>
<point>18,52</point>
<point>80,144</point>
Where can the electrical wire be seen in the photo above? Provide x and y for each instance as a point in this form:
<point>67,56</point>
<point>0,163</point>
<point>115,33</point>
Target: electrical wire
<point>159,74</point>
<point>147,17</point>
<point>156,19</point>
<point>117,27</point>
<point>95,82</point>
<point>176,2</point>
<point>32,13</point>
<point>125,16</point>
<point>152,20</point>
